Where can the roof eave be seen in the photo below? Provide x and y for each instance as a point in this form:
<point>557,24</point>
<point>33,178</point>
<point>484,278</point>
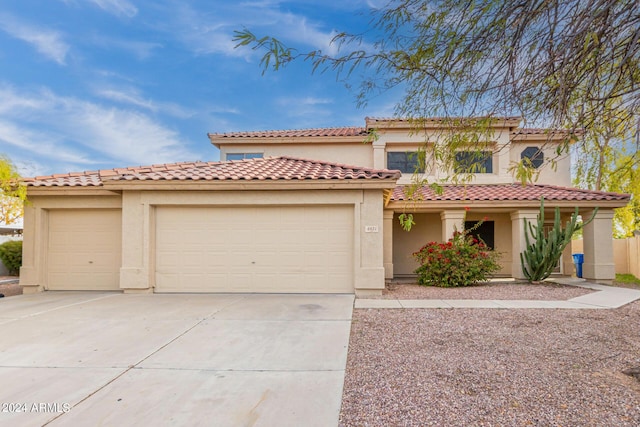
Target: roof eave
<point>90,190</point>
<point>381,124</point>
<point>268,184</point>
<point>438,205</point>
<point>219,141</point>
<point>542,137</point>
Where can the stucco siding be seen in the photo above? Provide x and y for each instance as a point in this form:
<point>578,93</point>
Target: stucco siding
<point>560,175</point>
<point>359,154</point>
<point>427,229</point>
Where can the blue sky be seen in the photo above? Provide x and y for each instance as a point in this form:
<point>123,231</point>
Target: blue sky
<point>93,84</point>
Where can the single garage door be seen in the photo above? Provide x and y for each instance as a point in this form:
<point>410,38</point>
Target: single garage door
<point>254,249</point>
<point>84,251</point>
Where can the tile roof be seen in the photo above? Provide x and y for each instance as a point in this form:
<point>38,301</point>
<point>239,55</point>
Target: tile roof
<point>437,119</point>
<point>509,192</point>
<point>270,168</point>
<point>295,133</point>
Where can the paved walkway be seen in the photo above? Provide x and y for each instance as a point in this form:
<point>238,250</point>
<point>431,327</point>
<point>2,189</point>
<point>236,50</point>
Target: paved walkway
<point>604,297</point>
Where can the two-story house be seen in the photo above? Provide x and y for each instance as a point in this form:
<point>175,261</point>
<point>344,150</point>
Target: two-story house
<point>312,210</point>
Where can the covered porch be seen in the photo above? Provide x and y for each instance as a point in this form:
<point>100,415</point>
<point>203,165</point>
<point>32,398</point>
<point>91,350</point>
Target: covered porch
<point>503,209</point>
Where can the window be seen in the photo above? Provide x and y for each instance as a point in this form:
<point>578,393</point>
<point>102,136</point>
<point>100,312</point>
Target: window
<point>484,232</point>
<point>241,156</point>
<point>474,162</point>
<point>406,162</point>
<point>535,156</point>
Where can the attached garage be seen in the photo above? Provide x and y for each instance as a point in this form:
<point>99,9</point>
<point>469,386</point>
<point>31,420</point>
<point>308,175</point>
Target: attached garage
<point>275,224</point>
<point>84,249</point>
<point>304,249</point>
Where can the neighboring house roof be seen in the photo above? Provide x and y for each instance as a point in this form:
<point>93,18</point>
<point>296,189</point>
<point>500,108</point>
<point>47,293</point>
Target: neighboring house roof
<point>508,192</point>
<point>269,168</point>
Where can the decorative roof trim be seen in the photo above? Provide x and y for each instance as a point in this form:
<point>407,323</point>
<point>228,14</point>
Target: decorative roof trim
<point>436,122</point>
<point>333,134</point>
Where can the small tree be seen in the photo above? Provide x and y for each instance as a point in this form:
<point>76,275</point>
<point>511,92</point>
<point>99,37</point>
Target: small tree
<point>543,253</point>
<point>12,193</point>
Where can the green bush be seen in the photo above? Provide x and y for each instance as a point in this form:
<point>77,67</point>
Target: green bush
<point>11,255</point>
<point>462,261</point>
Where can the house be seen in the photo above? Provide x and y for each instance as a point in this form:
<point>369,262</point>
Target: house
<point>305,211</point>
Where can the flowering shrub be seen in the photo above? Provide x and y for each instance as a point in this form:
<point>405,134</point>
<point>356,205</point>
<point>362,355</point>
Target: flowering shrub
<point>462,261</point>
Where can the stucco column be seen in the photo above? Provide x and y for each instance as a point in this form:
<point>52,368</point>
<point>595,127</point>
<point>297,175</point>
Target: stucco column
<point>599,264</point>
<point>518,242</point>
<point>370,271</point>
<point>378,156</point>
<point>387,228</point>
<point>134,273</point>
<point>31,271</point>
<point>451,221</point>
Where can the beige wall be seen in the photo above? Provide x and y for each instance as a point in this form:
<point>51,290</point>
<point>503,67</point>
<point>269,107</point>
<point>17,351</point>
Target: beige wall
<point>506,154</point>
<point>547,175</point>
<point>137,272</point>
<point>427,229</point>
<point>626,253</point>
<point>357,154</point>
<point>403,140</point>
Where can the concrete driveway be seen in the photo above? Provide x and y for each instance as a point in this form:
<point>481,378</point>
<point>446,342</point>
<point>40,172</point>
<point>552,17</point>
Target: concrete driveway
<point>82,358</point>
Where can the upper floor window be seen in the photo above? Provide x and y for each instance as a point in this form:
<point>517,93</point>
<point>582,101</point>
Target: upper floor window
<point>474,162</point>
<point>535,156</point>
<point>406,162</point>
<point>242,156</point>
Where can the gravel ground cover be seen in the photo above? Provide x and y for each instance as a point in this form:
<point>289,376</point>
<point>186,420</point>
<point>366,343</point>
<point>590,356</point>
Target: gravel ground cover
<point>490,291</point>
<point>9,289</point>
<point>487,367</point>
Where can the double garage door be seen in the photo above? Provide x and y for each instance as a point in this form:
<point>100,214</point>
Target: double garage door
<point>210,249</point>
<point>254,249</point>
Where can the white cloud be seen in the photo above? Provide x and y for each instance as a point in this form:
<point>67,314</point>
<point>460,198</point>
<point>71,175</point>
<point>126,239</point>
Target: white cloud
<point>206,33</point>
<point>26,139</point>
<point>305,101</point>
<point>299,29</point>
<point>133,97</point>
<point>117,7</point>
<point>305,107</point>
<point>80,132</point>
<point>141,50</point>
<point>123,135</point>
<point>47,42</point>
<point>377,4</point>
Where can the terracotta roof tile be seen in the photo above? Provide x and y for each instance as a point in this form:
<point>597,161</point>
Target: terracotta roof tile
<point>270,168</point>
<point>295,133</point>
<point>509,192</point>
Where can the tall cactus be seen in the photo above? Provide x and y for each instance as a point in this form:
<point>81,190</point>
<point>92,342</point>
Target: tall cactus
<point>541,256</point>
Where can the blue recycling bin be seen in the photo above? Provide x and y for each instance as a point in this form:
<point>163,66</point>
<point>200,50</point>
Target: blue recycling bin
<point>578,259</point>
